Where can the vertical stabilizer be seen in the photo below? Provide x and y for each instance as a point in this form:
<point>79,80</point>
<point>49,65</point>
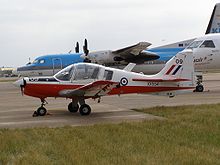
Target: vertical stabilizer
<point>179,67</point>
<point>214,23</point>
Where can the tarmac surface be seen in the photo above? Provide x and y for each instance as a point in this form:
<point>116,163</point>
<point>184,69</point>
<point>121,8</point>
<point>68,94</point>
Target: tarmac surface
<point>16,110</point>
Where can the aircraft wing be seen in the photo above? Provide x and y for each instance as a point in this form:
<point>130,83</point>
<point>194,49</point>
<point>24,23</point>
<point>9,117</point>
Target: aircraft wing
<point>136,53</point>
<point>94,89</point>
<point>134,49</point>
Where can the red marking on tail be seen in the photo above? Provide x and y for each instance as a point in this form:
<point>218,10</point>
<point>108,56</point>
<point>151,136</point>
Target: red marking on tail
<point>171,68</point>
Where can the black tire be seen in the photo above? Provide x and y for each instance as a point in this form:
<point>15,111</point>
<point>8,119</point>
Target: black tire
<point>199,88</point>
<point>84,109</point>
<point>41,111</point>
<point>73,109</point>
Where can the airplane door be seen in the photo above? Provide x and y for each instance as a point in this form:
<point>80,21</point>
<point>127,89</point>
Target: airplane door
<point>57,65</point>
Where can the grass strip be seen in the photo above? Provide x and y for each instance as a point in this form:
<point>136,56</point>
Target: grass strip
<point>190,135</point>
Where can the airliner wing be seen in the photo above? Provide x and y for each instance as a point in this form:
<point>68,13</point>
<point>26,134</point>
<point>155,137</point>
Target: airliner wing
<point>136,53</point>
<point>134,49</point>
<point>94,89</point>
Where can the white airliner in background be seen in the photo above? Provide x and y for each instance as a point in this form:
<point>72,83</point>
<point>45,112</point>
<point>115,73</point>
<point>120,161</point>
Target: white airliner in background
<point>206,51</point>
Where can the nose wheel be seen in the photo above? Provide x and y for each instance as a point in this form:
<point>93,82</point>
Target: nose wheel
<point>41,111</point>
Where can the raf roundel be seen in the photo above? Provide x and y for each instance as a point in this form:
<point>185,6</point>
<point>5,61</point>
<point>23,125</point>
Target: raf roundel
<point>124,81</point>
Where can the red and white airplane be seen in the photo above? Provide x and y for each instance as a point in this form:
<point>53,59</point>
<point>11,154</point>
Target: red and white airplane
<point>86,80</point>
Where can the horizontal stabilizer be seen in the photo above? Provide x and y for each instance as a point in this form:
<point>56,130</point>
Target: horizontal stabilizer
<point>129,67</point>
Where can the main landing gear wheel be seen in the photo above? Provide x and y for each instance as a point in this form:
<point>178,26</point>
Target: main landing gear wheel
<point>41,111</point>
<point>84,109</point>
<point>199,88</point>
<point>73,108</point>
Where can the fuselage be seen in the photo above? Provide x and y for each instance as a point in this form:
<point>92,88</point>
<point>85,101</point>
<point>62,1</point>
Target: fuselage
<point>49,65</point>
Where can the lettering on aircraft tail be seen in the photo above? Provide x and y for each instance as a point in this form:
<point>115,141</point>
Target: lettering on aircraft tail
<point>175,68</point>
<point>215,30</point>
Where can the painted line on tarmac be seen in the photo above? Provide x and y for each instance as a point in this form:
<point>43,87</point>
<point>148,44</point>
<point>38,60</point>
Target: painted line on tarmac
<point>139,116</point>
<point>33,122</point>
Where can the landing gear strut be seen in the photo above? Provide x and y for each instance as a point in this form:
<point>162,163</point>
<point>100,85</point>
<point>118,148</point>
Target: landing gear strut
<point>199,87</point>
<point>41,111</point>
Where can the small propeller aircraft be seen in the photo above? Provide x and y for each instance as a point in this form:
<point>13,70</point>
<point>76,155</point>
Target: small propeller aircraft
<point>82,81</point>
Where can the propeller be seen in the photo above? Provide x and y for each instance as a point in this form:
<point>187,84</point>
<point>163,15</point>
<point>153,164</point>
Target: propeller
<point>77,47</point>
<point>86,51</point>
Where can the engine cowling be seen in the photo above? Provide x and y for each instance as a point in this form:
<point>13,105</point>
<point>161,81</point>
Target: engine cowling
<point>118,59</point>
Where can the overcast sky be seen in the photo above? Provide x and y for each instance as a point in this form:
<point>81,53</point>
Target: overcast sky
<point>32,28</point>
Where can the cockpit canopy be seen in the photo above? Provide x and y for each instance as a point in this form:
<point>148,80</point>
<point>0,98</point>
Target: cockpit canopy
<point>79,71</point>
<point>201,44</point>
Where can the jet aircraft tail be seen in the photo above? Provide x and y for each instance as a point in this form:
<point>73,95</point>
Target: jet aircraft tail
<point>214,23</point>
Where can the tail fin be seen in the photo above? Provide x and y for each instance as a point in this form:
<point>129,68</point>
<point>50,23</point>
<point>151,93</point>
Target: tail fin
<point>214,23</point>
<point>180,71</point>
<point>179,67</point>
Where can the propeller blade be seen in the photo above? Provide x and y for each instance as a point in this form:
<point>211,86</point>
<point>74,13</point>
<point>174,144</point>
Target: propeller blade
<point>85,48</point>
<point>77,47</point>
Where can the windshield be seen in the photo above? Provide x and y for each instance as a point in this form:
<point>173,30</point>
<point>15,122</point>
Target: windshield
<point>194,44</point>
<point>35,62</point>
<point>208,44</point>
<point>65,74</point>
<point>78,72</point>
<point>86,71</point>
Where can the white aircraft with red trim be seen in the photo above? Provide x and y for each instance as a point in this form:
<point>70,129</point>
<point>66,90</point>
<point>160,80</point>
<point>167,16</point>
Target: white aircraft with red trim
<point>86,80</point>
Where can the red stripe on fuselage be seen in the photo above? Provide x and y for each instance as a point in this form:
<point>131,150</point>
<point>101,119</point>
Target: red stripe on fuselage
<point>52,90</point>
